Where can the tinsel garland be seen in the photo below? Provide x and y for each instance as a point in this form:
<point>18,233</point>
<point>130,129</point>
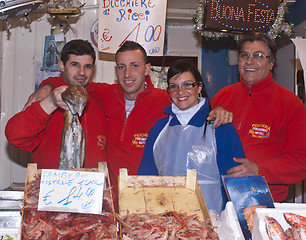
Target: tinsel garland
<point>279,28</point>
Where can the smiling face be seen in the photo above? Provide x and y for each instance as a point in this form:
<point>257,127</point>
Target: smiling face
<point>131,71</point>
<point>253,71</point>
<point>184,98</point>
<point>77,70</point>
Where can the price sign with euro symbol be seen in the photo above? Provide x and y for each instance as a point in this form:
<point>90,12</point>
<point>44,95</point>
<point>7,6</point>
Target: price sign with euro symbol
<point>142,21</point>
<point>71,191</point>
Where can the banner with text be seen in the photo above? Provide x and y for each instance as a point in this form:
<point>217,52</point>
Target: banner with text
<point>240,16</point>
<point>142,21</point>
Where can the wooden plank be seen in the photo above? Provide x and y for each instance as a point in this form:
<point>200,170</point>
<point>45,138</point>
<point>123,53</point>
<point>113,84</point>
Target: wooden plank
<point>202,203</point>
<point>186,200</point>
<point>31,172</point>
<point>123,179</point>
<point>159,194</point>
<point>159,199</point>
<point>191,179</point>
<point>131,200</point>
<point>156,181</point>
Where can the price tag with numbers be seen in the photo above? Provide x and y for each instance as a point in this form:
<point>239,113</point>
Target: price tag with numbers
<point>142,21</point>
<point>71,191</point>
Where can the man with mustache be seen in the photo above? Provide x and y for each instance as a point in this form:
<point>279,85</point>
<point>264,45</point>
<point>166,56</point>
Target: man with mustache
<point>38,128</point>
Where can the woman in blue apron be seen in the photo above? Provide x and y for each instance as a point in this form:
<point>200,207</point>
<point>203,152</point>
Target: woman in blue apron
<point>185,140</point>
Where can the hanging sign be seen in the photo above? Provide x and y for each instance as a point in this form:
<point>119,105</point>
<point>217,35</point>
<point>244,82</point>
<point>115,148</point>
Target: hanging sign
<point>71,191</point>
<point>240,16</point>
<point>142,21</point>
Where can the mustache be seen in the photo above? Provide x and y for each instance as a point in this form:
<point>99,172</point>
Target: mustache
<point>81,76</point>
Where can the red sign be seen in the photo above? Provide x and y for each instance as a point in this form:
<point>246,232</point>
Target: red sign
<point>240,15</point>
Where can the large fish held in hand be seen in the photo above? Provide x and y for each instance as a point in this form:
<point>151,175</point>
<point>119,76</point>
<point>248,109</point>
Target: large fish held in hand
<point>72,153</point>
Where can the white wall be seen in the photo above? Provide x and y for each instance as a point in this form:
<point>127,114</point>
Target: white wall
<point>22,49</point>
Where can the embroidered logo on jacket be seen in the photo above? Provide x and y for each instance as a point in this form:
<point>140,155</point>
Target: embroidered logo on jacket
<point>101,141</point>
<point>139,139</point>
<point>260,130</point>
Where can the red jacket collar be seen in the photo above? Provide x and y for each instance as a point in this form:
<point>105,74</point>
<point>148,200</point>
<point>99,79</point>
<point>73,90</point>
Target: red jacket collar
<point>259,86</point>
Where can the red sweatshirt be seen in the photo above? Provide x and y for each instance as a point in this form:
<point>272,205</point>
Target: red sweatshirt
<point>271,122</point>
<point>36,131</point>
<point>127,136</point>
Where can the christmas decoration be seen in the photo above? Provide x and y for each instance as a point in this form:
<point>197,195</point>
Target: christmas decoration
<point>279,28</point>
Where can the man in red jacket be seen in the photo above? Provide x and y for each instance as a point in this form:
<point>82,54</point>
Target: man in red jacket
<point>270,120</point>
<point>39,127</point>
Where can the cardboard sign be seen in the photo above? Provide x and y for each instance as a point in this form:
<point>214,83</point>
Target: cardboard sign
<point>71,191</point>
<point>142,21</point>
<point>240,16</point>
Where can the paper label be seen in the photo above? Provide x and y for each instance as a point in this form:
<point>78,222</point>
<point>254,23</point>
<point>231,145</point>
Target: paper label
<point>71,191</point>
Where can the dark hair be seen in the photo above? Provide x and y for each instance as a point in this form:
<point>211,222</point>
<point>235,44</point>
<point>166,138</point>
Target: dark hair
<point>77,47</point>
<point>256,36</point>
<point>131,46</point>
<point>182,66</point>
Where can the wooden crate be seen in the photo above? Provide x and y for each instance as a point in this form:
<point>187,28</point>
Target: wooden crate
<point>159,194</point>
<point>33,173</point>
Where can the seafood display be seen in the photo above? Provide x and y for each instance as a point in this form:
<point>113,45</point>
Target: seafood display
<point>72,153</point>
<point>58,225</point>
<point>249,213</point>
<point>296,231</point>
<point>297,228</point>
<point>274,229</point>
<point>170,225</point>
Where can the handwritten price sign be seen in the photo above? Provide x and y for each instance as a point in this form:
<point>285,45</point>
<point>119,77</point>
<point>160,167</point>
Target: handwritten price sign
<point>71,191</point>
<point>142,21</point>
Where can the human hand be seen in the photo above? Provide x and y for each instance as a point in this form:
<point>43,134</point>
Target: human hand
<point>246,168</point>
<point>42,92</point>
<point>220,115</point>
<point>54,100</point>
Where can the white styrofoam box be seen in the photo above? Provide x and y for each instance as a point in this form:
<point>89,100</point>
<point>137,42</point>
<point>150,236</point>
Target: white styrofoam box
<point>10,224</point>
<point>231,219</point>
<point>10,219</point>
<point>290,206</point>
<point>259,228</point>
